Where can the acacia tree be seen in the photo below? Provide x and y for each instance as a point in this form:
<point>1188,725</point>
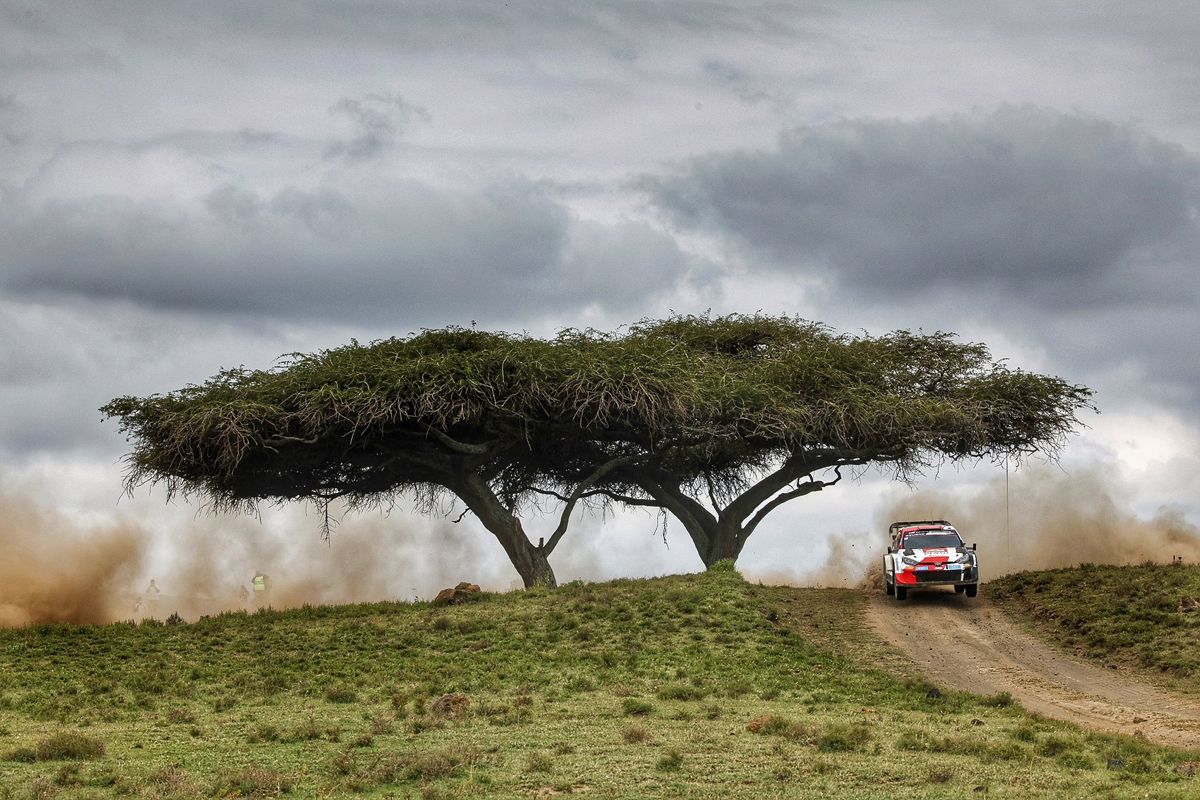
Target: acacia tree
<point>453,411</point>
<point>719,421</point>
<point>777,407</point>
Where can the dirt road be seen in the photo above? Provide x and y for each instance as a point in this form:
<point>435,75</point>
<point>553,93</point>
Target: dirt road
<point>971,645</point>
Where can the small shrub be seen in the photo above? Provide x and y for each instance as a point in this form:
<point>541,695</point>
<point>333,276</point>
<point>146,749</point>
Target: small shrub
<point>824,767</point>
<point>840,737</point>
<point>181,716</point>
<point>1005,751</point>
<point>171,781</point>
<point>382,724</point>
<point>1024,733</point>
<point>681,691</point>
<point>436,764</point>
<point>940,775</point>
<point>22,755</point>
<point>775,725</point>
<point>1001,700</point>
<point>67,775</point>
<point>422,724</point>
<point>449,706</point>
<point>636,707</point>
<point>1073,760</point>
<point>1053,746</point>
<point>344,763</point>
<point>68,745</point>
<point>306,731</point>
<point>635,734</point>
<point>538,762</point>
<point>670,762</point>
<point>340,694</point>
<point>253,782</point>
<point>42,788</point>
<point>263,732</point>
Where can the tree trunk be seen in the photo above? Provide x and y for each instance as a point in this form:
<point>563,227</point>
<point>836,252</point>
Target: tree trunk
<point>532,564</point>
<point>724,544</point>
<point>529,560</point>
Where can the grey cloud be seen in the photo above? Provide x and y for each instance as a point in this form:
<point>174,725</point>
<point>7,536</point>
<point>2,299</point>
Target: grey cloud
<point>748,88</point>
<point>378,119</point>
<point>1057,208</point>
<point>421,24</point>
<point>380,249</point>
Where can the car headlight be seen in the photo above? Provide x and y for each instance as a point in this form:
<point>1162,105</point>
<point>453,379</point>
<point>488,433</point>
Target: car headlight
<point>909,560</point>
<point>963,558</point>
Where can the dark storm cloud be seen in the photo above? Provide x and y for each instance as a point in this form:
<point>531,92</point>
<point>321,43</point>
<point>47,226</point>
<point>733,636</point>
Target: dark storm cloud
<point>352,251</point>
<point>1060,209</point>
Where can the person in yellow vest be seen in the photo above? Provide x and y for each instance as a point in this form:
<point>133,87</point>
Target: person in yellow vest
<point>262,587</point>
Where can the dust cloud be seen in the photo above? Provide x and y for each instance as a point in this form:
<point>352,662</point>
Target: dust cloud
<point>55,568</point>
<point>1044,518</point>
<point>1049,518</point>
<point>849,554</point>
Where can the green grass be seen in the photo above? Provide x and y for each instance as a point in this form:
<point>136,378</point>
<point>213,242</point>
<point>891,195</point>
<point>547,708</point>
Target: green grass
<point>698,686</point>
<point>1124,617</point>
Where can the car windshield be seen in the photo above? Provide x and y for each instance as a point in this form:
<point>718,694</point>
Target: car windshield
<point>927,541</point>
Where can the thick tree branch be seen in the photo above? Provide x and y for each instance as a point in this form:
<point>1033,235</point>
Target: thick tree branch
<point>463,448</point>
<point>279,441</point>
<point>697,521</point>
<point>580,488</point>
<point>805,488</point>
<point>620,498</point>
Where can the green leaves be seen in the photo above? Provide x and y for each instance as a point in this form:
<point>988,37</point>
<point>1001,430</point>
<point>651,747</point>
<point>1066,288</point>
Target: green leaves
<point>736,391</point>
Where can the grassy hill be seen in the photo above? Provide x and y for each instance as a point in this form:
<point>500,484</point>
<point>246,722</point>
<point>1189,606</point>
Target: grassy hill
<point>1125,617</point>
<point>700,686</point>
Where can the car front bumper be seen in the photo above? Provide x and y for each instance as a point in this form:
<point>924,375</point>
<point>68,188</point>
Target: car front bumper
<point>940,575</point>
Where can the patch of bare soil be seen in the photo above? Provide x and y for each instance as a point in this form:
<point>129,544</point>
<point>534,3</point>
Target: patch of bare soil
<point>970,644</point>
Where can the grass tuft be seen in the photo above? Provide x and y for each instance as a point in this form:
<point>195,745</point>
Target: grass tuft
<point>62,746</point>
<point>253,781</point>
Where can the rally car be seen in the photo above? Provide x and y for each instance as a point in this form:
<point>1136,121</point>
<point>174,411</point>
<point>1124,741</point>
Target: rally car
<point>928,552</point>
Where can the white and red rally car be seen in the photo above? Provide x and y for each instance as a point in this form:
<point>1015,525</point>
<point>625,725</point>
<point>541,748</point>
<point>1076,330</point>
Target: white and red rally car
<point>928,552</point>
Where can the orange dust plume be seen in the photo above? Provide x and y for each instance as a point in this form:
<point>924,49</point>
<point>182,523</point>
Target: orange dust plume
<point>53,569</point>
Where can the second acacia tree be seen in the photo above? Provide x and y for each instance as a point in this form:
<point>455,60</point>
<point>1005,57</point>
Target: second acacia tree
<point>769,409</point>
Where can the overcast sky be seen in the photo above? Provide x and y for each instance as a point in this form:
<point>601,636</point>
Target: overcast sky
<point>187,186</point>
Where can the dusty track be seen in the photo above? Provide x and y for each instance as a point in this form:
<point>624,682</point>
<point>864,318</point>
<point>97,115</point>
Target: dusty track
<point>971,645</point>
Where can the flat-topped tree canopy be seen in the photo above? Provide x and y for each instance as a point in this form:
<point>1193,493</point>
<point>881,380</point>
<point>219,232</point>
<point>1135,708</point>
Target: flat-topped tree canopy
<point>738,408</point>
<point>784,399</point>
<point>451,410</point>
<point>362,420</point>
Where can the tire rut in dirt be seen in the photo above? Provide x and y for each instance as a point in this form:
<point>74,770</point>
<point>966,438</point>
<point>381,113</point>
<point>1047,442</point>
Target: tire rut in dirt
<point>971,645</point>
